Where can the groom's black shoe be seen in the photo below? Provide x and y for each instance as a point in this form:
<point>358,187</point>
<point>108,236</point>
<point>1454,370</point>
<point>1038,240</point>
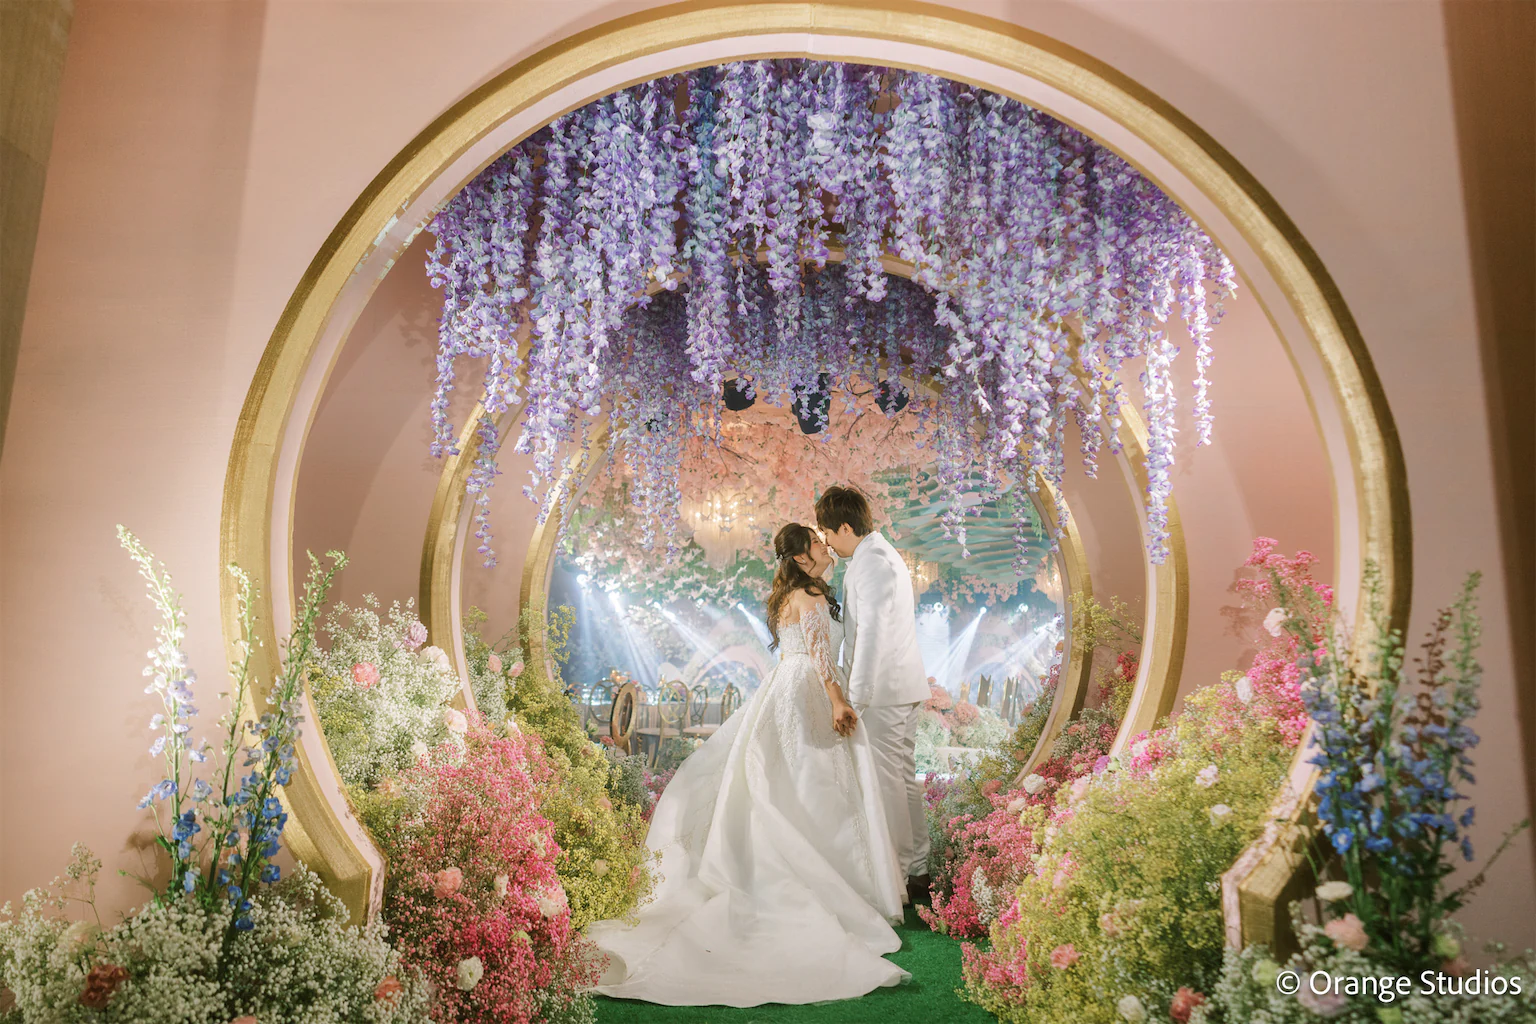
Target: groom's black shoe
<point>919,889</point>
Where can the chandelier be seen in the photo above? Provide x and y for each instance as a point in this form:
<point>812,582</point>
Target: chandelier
<point>922,573</point>
<point>723,523</point>
<point>1048,582</point>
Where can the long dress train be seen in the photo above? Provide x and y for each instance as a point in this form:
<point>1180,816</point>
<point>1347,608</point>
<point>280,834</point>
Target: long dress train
<point>778,882</point>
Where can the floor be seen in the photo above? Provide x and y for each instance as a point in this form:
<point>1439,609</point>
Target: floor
<point>933,960</point>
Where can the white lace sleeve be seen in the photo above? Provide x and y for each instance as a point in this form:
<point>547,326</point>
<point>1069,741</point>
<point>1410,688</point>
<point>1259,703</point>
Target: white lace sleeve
<point>816,624</point>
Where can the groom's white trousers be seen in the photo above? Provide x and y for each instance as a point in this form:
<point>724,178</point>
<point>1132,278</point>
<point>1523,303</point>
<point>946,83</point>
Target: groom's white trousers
<point>892,732</point>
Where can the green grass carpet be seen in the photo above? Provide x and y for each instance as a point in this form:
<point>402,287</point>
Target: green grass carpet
<point>933,960</point>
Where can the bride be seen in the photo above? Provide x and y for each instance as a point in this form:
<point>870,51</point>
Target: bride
<point>772,888</point>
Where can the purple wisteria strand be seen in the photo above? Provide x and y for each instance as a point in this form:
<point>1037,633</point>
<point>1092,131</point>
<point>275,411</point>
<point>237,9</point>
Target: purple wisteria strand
<point>1045,270</point>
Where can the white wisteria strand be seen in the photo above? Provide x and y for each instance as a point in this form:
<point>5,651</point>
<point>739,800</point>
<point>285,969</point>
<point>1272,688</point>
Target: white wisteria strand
<point>1044,267</point>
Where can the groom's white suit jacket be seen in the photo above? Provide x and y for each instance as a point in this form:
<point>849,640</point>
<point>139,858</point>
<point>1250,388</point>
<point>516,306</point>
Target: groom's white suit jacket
<point>880,628</point>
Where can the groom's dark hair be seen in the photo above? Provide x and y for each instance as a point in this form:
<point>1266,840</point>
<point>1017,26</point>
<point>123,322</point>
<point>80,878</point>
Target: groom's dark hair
<point>840,506</point>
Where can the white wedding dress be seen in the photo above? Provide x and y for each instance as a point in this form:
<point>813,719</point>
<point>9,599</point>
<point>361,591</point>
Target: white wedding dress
<point>778,884</point>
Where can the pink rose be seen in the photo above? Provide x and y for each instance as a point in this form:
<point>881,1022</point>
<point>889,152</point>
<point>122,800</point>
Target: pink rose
<point>1329,1004</point>
<point>1063,956</point>
<point>1184,1003</point>
<point>365,674</point>
<point>415,636</point>
<point>388,990</point>
<point>456,721</point>
<point>1348,931</point>
<point>1109,925</point>
<point>1080,788</point>
<point>494,663</point>
<point>447,882</point>
<point>516,669</point>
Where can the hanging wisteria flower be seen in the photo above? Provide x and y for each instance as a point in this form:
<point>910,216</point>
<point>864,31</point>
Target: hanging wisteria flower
<point>1044,265</point>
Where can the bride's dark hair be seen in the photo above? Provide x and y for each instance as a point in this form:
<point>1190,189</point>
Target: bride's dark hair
<point>794,539</point>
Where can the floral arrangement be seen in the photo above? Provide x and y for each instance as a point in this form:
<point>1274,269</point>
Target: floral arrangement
<point>474,897</point>
<point>604,865</point>
<point>381,695</point>
<point>493,667</point>
<point>224,937</point>
<point>1393,750</point>
<point>1122,899</point>
<point>984,829</point>
<point>682,181</point>
<point>1081,936</point>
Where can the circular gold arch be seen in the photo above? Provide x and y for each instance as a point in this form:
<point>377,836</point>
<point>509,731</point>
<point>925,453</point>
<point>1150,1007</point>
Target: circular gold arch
<point>279,407</point>
<point>1167,608</point>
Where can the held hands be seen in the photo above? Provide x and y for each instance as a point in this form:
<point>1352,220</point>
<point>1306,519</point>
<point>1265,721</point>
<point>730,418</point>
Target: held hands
<point>844,719</point>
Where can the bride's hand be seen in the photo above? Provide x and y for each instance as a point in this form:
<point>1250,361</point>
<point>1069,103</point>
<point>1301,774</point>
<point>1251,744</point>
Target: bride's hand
<point>844,719</point>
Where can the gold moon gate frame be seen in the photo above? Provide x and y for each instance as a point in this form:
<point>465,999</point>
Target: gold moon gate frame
<point>1167,606</point>
<point>1280,269</point>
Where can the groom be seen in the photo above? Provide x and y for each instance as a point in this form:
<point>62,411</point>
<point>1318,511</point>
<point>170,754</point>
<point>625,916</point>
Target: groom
<point>886,681</point>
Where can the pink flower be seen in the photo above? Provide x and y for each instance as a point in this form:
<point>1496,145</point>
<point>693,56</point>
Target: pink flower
<point>494,663</point>
<point>516,669</point>
<point>365,674</point>
<point>388,990</point>
<point>1456,968</point>
<point>415,636</point>
<point>1329,1004</point>
<point>455,720</point>
<point>1348,931</point>
<point>1109,925</point>
<point>447,882</point>
<point>1064,956</point>
<point>1184,1002</point>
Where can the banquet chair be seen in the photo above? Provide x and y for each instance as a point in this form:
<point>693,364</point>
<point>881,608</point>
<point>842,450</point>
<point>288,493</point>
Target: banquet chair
<point>698,711</point>
<point>624,716</point>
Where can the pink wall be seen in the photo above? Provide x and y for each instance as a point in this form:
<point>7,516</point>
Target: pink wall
<point>204,151</point>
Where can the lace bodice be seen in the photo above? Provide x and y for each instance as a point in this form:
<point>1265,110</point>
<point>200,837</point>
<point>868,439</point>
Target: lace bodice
<point>815,636</point>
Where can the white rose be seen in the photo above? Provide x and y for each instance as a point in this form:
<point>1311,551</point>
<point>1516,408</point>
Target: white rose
<point>78,936</point>
<point>1034,784</point>
<point>1219,814</point>
<point>1017,805</point>
<point>512,729</point>
<point>1274,620</point>
<point>1140,747</point>
<point>1332,892</point>
<point>418,750</point>
<point>456,721</point>
<point>1206,777</point>
<point>1244,687</point>
<point>600,867</point>
<point>1131,1009</point>
<point>551,902</point>
<point>437,658</point>
<point>469,973</point>
<point>503,885</point>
